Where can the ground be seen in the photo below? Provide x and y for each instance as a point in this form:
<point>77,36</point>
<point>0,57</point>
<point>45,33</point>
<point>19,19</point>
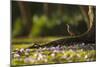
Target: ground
<point>80,52</point>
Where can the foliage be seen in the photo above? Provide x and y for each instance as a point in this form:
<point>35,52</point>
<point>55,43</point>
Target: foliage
<point>62,56</point>
<point>43,25</point>
<point>52,55</point>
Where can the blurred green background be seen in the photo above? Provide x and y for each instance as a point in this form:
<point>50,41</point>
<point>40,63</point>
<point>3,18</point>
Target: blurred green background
<point>32,19</point>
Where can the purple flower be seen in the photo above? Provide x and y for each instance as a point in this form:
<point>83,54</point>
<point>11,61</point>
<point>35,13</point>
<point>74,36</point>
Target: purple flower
<point>29,60</point>
<point>52,48</point>
<point>27,50</point>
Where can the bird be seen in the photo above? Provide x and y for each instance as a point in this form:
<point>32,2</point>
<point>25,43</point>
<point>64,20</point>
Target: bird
<point>71,33</point>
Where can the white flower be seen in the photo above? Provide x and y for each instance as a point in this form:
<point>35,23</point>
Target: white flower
<point>40,56</point>
<point>81,50</point>
<point>86,56</point>
<point>63,52</point>
<point>44,48</point>
<point>64,57</point>
<point>45,60</point>
<point>44,56</point>
<point>13,53</point>
<point>40,49</point>
<point>78,55</point>
<point>22,50</point>
<point>16,49</point>
<point>71,50</point>
<point>26,53</point>
<point>16,55</point>
<point>56,51</point>
<point>83,44</point>
<point>53,54</point>
<point>36,54</point>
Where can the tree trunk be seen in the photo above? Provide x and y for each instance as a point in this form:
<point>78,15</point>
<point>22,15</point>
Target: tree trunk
<point>87,37</point>
<point>26,17</point>
<point>60,9</point>
<point>45,7</point>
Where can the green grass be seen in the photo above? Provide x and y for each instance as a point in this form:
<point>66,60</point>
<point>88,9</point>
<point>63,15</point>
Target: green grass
<point>63,56</point>
<point>71,56</point>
